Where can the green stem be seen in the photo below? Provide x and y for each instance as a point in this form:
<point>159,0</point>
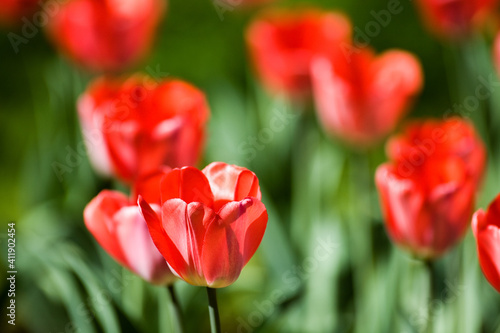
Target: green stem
<point>176,309</point>
<point>213,310</point>
<point>431,270</point>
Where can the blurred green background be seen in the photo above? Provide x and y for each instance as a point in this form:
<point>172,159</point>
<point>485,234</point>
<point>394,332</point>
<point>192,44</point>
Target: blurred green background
<point>320,195</point>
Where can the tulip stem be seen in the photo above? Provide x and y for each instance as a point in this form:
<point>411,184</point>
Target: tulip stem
<point>176,308</point>
<point>431,270</point>
<point>213,310</point>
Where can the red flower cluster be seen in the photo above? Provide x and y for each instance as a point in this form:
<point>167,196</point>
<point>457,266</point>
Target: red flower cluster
<point>204,226</point>
<point>138,124</point>
<point>428,189</point>
<point>106,35</point>
<point>360,97</point>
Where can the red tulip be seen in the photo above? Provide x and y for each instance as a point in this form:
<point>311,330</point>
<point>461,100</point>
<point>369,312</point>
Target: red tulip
<point>211,222</point>
<point>134,126</point>
<point>12,11</point>
<point>455,18</point>
<point>361,99</point>
<point>428,189</point>
<point>283,43</point>
<point>118,226</point>
<point>486,228</point>
<point>106,35</point>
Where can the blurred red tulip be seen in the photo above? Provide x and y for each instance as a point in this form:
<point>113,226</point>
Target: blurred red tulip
<point>496,53</point>
<point>12,11</point>
<point>132,127</point>
<point>211,222</point>
<point>455,18</point>
<point>486,228</point>
<point>428,189</point>
<point>118,226</point>
<point>283,43</point>
<point>361,99</point>
<point>106,35</point>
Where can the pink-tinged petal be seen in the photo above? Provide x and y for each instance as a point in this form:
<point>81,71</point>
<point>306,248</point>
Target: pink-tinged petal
<point>188,184</point>
<point>397,72</point>
<point>232,239</point>
<point>231,182</point>
<point>185,226</point>
<point>488,247</point>
<point>91,123</point>
<point>479,222</point>
<point>161,240</point>
<point>149,186</point>
<point>138,247</point>
<point>334,98</point>
<point>99,220</point>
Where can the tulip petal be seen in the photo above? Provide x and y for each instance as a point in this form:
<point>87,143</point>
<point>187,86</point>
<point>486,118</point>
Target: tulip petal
<point>488,247</point>
<point>334,99</point>
<point>232,239</point>
<point>99,220</point>
<point>178,98</point>
<point>282,43</point>
<point>185,226</point>
<point>451,206</point>
<point>188,184</point>
<point>122,141</point>
<point>494,212</point>
<point>396,77</point>
<point>407,218</point>
<point>91,122</point>
<point>138,247</point>
<point>479,222</point>
<point>231,183</point>
<point>161,240</point>
<point>148,186</point>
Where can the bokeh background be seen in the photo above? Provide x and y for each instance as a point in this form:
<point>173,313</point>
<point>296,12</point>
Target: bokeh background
<point>325,264</point>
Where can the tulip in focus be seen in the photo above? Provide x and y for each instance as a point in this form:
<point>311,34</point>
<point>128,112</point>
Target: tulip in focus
<point>428,188</point>
<point>362,99</point>
<point>283,43</point>
<point>118,226</point>
<point>455,18</point>
<point>106,35</point>
<point>210,223</point>
<point>486,228</point>
<point>134,126</point>
<point>12,11</point>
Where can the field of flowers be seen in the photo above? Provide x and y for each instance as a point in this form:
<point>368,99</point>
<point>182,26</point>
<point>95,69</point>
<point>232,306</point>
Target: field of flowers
<point>250,166</point>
